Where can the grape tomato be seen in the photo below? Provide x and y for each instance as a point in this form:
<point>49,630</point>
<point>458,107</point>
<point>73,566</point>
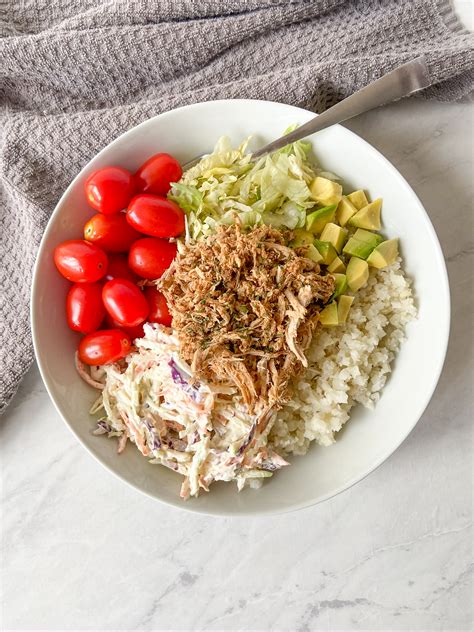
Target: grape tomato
<point>157,174</point>
<point>112,233</point>
<point>125,302</point>
<point>118,269</point>
<point>104,347</point>
<point>84,308</point>
<point>150,257</point>
<point>79,261</point>
<point>110,189</point>
<point>155,216</point>
<point>159,312</point>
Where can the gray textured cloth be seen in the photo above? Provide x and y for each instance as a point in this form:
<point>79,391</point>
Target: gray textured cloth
<point>76,73</point>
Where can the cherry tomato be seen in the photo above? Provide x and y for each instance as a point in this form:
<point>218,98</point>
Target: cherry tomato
<point>125,302</point>
<point>79,261</point>
<point>156,174</point>
<point>118,269</point>
<point>150,257</point>
<point>159,312</point>
<point>155,216</point>
<point>133,332</point>
<point>84,308</point>
<point>112,233</point>
<point>104,346</point>
<point>110,189</point>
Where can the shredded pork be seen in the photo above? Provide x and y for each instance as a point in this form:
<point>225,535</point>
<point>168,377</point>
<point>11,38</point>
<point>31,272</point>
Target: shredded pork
<point>245,306</point>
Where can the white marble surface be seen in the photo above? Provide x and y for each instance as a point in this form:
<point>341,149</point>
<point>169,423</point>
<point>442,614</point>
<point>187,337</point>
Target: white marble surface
<point>81,551</point>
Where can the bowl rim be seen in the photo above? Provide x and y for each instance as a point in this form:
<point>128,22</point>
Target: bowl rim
<point>443,337</point>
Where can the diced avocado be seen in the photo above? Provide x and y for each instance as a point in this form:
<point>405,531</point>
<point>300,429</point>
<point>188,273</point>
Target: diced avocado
<point>368,217</point>
<point>326,191</point>
<point>367,236</point>
<point>358,199</point>
<point>362,243</point>
<point>384,254</point>
<point>345,211</point>
<point>341,285</point>
<point>335,235</point>
<point>326,250</point>
<point>344,304</point>
<point>337,265</point>
<point>317,220</point>
<point>328,316</point>
<point>311,252</point>
<point>357,273</point>
<point>302,238</point>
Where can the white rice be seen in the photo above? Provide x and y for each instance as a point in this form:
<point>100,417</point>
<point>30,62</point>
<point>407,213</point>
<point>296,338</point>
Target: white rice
<point>348,364</point>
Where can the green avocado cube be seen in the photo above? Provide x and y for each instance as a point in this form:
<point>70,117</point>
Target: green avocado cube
<point>337,265</point>
<point>368,217</point>
<point>384,254</point>
<point>317,220</point>
<point>325,191</point>
<point>344,304</point>
<point>301,238</point>
<point>336,235</point>
<point>340,286</point>
<point>345,210</point>
<point>326,250</point>
<point>358,199</point>
<point>328,316</point>
<point>311,252</point>
<point>362,243</point>
<point>357,273</point>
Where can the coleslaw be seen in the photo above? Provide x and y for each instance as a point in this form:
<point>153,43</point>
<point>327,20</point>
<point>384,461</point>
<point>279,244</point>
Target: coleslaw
<point>201,431</point>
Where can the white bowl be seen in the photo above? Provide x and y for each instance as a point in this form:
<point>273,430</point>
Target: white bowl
<point>370,437</point>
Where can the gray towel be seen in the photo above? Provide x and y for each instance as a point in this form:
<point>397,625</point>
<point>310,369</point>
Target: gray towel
<point>75,74</point>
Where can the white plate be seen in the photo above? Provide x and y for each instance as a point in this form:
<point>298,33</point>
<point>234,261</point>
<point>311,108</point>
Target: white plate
<point>371,436</point>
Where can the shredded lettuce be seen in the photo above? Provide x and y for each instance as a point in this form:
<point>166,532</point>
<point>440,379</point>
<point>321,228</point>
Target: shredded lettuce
<point>273,190</point>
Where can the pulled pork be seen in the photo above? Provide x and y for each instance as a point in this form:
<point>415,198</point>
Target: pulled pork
<point>245,306</point>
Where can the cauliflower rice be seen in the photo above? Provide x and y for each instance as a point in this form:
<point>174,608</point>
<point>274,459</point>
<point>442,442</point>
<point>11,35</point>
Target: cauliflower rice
<point>348,364</point>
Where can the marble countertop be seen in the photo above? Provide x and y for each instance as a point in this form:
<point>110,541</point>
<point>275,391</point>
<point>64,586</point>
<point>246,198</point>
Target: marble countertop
<point>82,551</point>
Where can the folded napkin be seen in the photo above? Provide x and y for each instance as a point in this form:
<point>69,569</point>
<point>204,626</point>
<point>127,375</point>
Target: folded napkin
<point>76,74</point>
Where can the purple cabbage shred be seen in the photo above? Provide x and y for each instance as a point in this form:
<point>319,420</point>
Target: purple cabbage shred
<point>104,425</point>
<point>156,442</point>
<point>178,378</point>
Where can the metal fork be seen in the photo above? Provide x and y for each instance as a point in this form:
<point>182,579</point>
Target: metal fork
<point>398,83</point>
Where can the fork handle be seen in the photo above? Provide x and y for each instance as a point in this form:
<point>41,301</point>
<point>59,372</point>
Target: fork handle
<point>398,83</point>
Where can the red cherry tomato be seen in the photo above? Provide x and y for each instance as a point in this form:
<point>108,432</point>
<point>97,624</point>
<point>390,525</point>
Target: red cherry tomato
<point>84,308</point>
<point>155,216</point>
<point>112,233</point>
<point>159,312</point>
<point>125,302</point>
<point>104,346</point>
<point>110,189</point>
<point>79,261</point>
<point>157,173</point>
<point>150,257</point>
<point>133,332</point>
<point>118,269</point>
